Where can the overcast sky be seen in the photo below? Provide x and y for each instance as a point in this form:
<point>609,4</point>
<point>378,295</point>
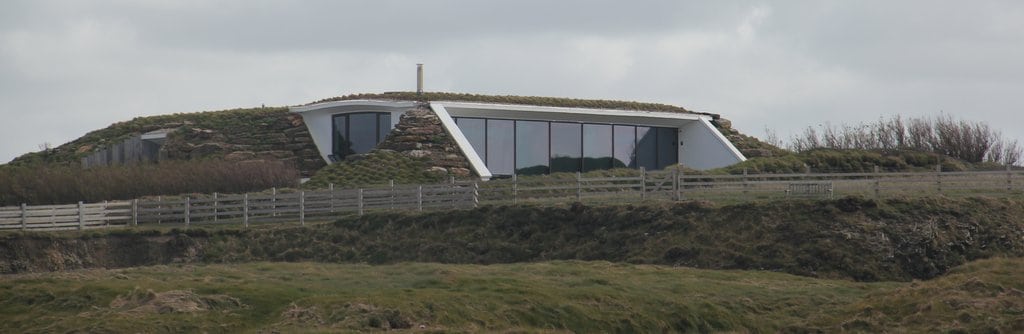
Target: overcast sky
<point>70,67</point>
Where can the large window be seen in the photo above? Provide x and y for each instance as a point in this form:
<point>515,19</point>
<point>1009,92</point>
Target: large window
<point>357,133</point>
<point>531,147</point>
<point>536,147</point>
<point>566,147</point>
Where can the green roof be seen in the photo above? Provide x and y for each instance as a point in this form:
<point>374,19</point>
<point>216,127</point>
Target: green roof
<point>509,99</point>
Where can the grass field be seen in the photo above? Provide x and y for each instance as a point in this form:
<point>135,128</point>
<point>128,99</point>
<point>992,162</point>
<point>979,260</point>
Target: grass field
<point>560,296</point>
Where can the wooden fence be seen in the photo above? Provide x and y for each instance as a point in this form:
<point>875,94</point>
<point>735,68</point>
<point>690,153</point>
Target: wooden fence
<point>297,205</point>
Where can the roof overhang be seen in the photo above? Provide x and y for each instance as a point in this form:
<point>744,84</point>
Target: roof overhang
<point>611,116</point>
<point>349,104</point>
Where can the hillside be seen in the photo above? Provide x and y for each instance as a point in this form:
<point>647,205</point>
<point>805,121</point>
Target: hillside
<point>256,134</point>
<point>554,296</point>
<point>849,238</point>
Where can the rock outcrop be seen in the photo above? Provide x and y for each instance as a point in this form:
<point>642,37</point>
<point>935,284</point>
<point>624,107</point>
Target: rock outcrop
<point>419,134</point>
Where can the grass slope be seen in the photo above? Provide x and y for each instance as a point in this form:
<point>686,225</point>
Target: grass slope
<point>250,119</point>
<point>560,296</point>
<point>374,169</point>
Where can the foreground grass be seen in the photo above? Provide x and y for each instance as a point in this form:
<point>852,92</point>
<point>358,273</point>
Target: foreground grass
<point>548,297</point>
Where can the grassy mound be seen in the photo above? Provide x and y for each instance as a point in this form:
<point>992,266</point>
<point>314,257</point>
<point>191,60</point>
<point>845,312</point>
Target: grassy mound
<point>557,296</point>
<point>853,161</point>
<point>228,121</point>
<point>847,238</point>
<point>510,99</point>
<point>374,169</point>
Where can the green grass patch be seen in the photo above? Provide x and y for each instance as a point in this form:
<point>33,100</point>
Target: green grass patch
<point>376,168</point>
<point>557,296</point>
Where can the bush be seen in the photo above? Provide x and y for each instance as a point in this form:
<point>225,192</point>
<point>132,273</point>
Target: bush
<point>62,184</point>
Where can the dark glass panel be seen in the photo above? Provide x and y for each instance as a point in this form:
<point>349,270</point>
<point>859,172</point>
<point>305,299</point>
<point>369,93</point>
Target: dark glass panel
<point>362,132</point>
<point>624,146</point>
<point>566,147</point>
<point>667,153</point>
<point>500,146</point>
<point>597,147</point>
<point>475,132</point>
<point>383,126</point>
<point>531,147</point>
<point>646,148</point>
<point>341,146</point>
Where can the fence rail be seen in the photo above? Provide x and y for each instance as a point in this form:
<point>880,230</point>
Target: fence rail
<point>299,206</point>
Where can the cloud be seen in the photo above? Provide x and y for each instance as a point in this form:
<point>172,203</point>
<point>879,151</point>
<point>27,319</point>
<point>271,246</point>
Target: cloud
<point>69,67</point>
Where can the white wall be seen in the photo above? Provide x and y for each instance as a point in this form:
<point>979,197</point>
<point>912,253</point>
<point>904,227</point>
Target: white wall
<point>703,147</point>
<point>318,117</point>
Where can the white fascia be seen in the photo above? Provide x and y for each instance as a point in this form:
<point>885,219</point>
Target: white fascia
<point>319,123</point>
<point>528,112</point>
<point>475,161</point>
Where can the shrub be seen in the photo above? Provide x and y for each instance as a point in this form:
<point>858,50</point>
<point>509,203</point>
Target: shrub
<point>63,184</point>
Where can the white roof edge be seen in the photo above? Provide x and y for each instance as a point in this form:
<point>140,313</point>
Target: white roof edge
<point>574,110</point>
<point>460,139</point>
<point>721,137</point>
<point>341,103</point>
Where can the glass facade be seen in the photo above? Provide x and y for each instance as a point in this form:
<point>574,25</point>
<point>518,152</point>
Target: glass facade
<point>566,147</point>
<point>356,133</point>
<point>537,147</point>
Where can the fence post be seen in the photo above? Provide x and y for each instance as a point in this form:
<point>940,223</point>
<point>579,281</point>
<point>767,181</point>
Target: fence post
<point>643,183</point>
<point>1009,178</point>
<point>745,181</point>
<point>451,190</point>
<point>302,208</point>
<point>419,198</point>
<point>24,217</point>
<point>273,202</point>
<point>476,194</point>
<point>331,188</point>
<point>215,207</point>
<point>675,184</point>
<point>81,217</point>
<point>245,210</point>
<point>579,187</point>
<point>391,203</point>
<point>878,187</point>
<point>360,201</point>
<point>188,207</point>
<point>135,212</point>
<point>515,188</point>
<point>159,207</point>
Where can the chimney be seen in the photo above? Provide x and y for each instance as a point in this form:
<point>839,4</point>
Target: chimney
<point>419,79</point>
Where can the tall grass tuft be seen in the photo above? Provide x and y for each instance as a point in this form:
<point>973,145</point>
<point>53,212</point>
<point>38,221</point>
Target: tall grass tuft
<point>63,184</point>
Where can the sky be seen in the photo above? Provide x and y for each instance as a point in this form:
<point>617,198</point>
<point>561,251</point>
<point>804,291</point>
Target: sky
<point>70,67</point>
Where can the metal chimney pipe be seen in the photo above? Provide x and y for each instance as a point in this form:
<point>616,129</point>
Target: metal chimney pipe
<point>419,79</point>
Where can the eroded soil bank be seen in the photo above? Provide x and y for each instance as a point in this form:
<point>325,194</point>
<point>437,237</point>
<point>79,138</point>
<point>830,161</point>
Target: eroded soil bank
<point>849,238</point>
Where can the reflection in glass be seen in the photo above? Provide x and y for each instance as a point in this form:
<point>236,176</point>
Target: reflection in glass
<point>624,147</point>
<point>597,147</point>
<point>383,126</point>
<point>500,146</point>
<point>341,146</point>
<point>474,130</point>
<point>362,132</point>
<point>531,147</point>
<point>566,147</point>
<point>646,148</point>
<point>667,153</point>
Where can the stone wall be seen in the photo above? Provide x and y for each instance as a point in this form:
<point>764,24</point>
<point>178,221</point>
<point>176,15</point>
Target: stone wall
<point>419,134</point>
<point>283,138</point>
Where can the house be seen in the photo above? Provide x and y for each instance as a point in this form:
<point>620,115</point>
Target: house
<point>500,139</point>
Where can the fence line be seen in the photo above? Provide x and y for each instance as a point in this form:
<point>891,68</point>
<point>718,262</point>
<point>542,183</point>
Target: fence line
<point>674,185</point>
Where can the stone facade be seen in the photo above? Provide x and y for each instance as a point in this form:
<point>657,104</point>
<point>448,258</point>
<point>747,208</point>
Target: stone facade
<point>284,139</point>
<point>419,134</point>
